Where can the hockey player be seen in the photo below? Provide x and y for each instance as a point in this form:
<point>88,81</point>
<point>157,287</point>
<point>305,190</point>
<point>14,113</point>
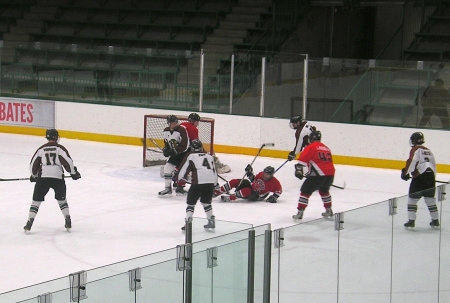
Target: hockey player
<point>255,188</point>
<point>302,130</point>
<point>46,168</point>
<point>317,158</point>
<point>422,166</point>
<point>192,129</point>
<point>200,166</point>
<point>175,147</point>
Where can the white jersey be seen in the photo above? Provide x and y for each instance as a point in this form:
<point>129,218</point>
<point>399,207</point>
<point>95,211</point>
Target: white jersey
<point>176,138</point>
<point>49,159</point>
<point>201,166</point>
<point>420,159</point>
<point>301,132</point>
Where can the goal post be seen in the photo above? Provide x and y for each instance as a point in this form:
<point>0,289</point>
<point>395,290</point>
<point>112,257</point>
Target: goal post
<point>153,141</point>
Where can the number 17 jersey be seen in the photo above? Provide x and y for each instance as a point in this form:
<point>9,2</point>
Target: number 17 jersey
<point>318,159</point>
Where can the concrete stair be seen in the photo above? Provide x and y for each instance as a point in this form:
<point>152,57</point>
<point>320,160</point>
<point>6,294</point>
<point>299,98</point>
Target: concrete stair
<point>219,45</point>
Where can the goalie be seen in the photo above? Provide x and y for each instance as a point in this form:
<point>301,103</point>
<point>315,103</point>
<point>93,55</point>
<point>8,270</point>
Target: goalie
<point>256,188</point>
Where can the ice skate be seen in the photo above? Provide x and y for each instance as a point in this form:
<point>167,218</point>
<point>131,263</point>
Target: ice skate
<point>227,198</point>
<point>328,213</point>
<point>180,191</point>
<point>298,216</point>
<point>211,224</point>
<point>435,223</point>
<point>27,226</point>
<point>410,224</point>
<point>68,224</point>
<point>165,191</point>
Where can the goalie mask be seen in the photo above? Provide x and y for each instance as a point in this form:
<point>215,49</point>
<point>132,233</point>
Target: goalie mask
<point>268,172</point>
<point>293,123</point>
<point>52,134</point>
<point>172,118</point>
<point>417,138</point>
<point>196,146</point>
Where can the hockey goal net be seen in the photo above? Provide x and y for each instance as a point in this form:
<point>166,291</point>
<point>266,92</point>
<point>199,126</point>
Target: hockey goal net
<point>154,142</point>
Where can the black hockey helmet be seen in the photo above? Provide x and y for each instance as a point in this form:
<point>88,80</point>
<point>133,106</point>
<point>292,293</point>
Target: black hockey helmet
<point>270,170</point>
<point>315,135</point>
<point>172,118</point>
<point>417,138</point>
<point>196,145</point>
<point>294,120</point>
<point>52,134</point>
<point>194,117</point>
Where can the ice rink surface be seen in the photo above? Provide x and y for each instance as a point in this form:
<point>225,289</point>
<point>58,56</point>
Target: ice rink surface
<point>117,214</point>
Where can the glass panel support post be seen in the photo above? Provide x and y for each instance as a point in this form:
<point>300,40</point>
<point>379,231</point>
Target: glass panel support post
<point>339,221</point>
<point>392,206</point>
<point>278,235</point>
<point>78,286</point>
<point>441,192</point>
<point>267,265</point>
<point>184,256</point>
<point>251,267</point>
<point>45,298</point>
<point>211,255</point>
<point>134,276</point>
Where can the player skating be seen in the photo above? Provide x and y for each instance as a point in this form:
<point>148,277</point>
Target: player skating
<point>302,130</point>
<point>421,164</point>
<point>46,168</point>
<point>176,143</point>
<point>317,159</point>
<point>256,188</point>
<point>200,166</point>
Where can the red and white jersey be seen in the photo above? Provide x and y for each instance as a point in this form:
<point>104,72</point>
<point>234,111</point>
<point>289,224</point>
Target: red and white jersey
<point>318,159</point>
<point>176,138</point>
<point>49,159</point>
<point>192,130</point>
<point>201,167</point>
<point>266,186</point>
<point>420,159</point>
<point>301,133</point>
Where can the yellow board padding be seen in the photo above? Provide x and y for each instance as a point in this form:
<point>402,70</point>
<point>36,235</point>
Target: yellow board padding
<point>218,148</point>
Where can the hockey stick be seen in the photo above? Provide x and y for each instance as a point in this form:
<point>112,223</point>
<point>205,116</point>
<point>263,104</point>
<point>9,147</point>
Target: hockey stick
<point>154,150</point>
<point>281,166</point>
<point>20,179</point>
<point>340,187</point>
<point>222,178</point>
<point>259,151</point>
<point>448,182</point>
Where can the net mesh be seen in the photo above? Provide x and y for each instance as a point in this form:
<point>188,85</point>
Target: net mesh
<point>154,142</point>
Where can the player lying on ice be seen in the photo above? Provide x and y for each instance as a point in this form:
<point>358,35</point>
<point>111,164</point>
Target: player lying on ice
<point>255,188</point>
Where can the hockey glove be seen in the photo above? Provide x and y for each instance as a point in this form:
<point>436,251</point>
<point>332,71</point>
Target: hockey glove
<point>272,199</point>
<point>76,175</point>
<point>291,156</point>
<point>299,171</point>
<point>33,178</point>
<point>405,177</point>
<point>249,171</point>
<point>181,182</point>
<point>166,152</point>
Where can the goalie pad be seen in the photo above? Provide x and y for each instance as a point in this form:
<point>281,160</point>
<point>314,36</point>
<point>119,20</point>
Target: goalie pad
<point>220,167</point>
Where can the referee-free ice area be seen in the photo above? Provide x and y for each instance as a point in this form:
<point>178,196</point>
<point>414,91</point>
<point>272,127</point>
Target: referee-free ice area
<point>117,214</point>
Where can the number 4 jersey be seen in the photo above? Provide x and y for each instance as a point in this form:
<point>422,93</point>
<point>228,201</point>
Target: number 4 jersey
<point>49,159</point>
<point>318,159</point>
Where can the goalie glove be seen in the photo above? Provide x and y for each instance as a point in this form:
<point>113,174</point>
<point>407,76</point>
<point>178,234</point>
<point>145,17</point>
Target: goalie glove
<point>76,175</point>
<point>272,199</point>
<point>299,171</point>
<point>404,176</point>
<point>291,156</point>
